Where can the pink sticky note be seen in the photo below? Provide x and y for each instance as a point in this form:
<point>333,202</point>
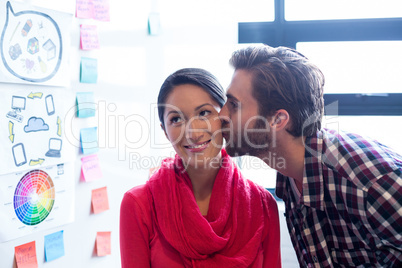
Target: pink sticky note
<point>103,242</point>
<point>100,201</point>
<point>84,9</point>
<point>90,168</point>
<point>25,255</point>
<point>89,37</point>
<point>101,10</point>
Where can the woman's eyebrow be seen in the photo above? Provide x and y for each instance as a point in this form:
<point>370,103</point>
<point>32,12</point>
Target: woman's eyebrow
<point>172,111</point>
<point>202,105</point>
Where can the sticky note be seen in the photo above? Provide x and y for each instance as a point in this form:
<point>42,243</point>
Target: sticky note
<point>89,140</point>
<point>154,25</point>
<point>89,38</point>
<point>90,168</point>
<point>54,246</point>
<point>93,9</point>
<point>84,9</point>
<point>100,201</point>
<point>103,243</point>
<point>86,105</point>
<point>89,70</point>
<point>101,10</point>
<point>25,255</point>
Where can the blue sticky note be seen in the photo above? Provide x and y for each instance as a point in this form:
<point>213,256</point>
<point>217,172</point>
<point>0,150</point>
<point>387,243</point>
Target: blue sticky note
<point>86,106</point>
<point>89,70</point>
<point>54,246</point>
<point>154,25</point>
<point>89,140</point>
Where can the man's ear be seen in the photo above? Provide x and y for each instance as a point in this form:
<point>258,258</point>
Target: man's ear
<point>162,127</point>
<point>280,120</point>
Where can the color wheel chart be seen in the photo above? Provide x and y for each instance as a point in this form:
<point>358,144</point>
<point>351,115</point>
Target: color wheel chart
<point>34,197</point>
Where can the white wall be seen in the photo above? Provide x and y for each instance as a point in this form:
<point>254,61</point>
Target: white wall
<point>132,65</point>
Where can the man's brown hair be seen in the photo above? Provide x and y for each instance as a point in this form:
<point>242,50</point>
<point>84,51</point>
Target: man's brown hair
<point>284,79</point>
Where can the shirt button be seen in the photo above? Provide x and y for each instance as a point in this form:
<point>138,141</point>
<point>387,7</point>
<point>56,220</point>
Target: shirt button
<point>315,258</point>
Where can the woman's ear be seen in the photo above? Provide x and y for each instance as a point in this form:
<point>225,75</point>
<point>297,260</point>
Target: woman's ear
<point>163,128</point>
<point>280,119</point>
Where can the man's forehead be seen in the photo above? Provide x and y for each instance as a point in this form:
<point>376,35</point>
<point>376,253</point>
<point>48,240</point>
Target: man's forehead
<point>240,87</point>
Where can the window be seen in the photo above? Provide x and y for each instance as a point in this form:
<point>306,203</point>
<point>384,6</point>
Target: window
<point>375,86</point>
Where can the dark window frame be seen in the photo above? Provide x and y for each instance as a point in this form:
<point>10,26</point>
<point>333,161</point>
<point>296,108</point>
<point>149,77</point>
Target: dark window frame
<point>287,33</point>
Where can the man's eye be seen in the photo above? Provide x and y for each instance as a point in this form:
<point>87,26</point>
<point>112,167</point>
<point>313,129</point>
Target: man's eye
<point>205,113</point>
<point>233,104</point>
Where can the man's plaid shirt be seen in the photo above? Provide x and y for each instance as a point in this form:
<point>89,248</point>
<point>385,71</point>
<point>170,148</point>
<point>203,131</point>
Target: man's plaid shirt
<point>350,210</point>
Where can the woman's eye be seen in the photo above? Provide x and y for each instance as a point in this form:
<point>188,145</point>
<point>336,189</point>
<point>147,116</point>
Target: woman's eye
<point>176,119</point>
<point>205,113</point>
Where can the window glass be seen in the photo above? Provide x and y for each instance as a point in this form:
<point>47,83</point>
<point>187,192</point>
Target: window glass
<point>176,13</point>
<point>341,9</point>
<point>357,67</point>
<point>385,129</point>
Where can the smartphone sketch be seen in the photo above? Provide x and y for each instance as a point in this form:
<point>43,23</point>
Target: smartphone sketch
<point>49,104</point>
<point>19,154</point>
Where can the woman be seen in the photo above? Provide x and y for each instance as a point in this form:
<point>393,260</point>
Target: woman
<point>197,210</point>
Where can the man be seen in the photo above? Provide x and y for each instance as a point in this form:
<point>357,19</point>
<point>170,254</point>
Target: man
<point>343,193</point>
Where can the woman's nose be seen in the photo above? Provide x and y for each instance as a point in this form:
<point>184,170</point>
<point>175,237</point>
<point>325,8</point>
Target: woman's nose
<point>195,130</point>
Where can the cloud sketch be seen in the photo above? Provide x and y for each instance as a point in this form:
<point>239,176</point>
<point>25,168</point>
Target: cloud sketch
<point>36,124</point>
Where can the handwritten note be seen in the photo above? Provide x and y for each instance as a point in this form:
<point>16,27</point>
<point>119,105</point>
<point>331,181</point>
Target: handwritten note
<point>100,201</point>
<point>103,243</point>
<point>93,9</point>
<point>89,140</point>
<point>89,38</point>
<point>101,10</point>
<point>25,255</point>
<point>54,246</point>
<point>89,70</point>
<point>86,105</point>
<point>84,9</point>
<point>90,168</point>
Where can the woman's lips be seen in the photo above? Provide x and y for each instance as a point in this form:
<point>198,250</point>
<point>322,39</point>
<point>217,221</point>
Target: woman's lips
<point>198,147</point>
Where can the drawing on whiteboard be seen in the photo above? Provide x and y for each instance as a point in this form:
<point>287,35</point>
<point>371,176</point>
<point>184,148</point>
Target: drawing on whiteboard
<point>35,54</point>
<point>36,200</point>
<point>49,105</point>
<point>34,197</point>
<point>19,154</point>
<point>54,147</point>
<point>58,126</point>
<point>11,131</point>
<point>17,104</point>
<point>39,161</point>
<point>36,124</point>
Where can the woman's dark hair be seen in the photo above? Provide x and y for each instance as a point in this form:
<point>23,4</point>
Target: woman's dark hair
<point>193,76</point>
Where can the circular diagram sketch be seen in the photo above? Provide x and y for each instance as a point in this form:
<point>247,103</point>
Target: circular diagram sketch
<point>34,197</point>
<point>31,45</point>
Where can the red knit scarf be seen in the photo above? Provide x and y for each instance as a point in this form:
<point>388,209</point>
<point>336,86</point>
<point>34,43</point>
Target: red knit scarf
<point>232,232</point>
